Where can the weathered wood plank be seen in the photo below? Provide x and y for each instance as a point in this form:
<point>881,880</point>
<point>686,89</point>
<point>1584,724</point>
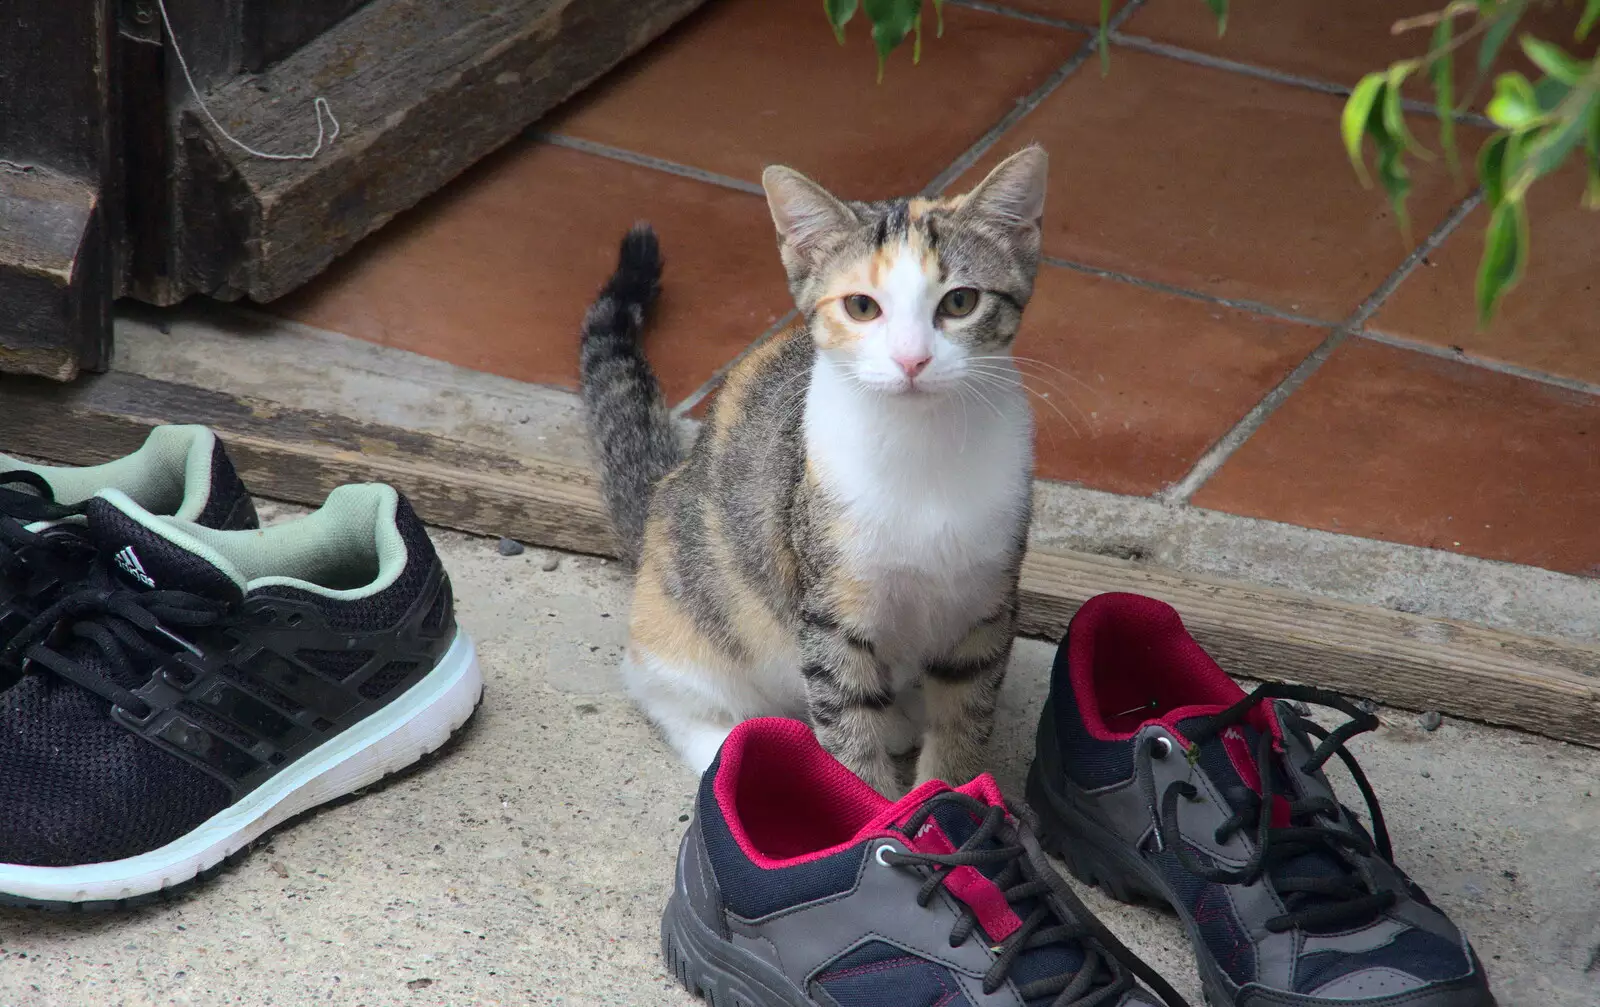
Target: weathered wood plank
<point>422,89</point>
<point>1411,661</point>
<point>300,455</point>
<point>56,192</point>
<point>55,308</point>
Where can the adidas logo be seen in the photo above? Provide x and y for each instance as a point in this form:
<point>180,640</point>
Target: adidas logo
<point>128,560</point>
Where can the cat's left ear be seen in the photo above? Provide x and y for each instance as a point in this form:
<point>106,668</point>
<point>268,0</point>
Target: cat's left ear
<point>1014,191</point>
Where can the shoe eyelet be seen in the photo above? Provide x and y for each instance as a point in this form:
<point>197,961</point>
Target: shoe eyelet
<point>878,855</point>
<point>1161,747</point>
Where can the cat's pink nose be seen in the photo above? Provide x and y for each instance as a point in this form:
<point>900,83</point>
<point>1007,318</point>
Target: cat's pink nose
<point>912,365</point>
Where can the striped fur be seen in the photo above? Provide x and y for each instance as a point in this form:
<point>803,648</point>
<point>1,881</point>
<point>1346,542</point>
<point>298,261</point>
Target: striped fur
<point>623,406</point>
<point>843,541</point>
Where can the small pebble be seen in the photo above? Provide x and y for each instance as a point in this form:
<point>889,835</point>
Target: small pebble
<point>1431,720</point>
<point>1427,775</point>
<point>550,564</point>
<point>510,547</point>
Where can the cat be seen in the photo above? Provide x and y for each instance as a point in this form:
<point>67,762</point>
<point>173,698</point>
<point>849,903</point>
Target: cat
<point>842,542</point>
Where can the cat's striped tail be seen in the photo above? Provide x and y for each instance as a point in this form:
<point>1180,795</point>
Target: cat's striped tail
<point>628,421</point>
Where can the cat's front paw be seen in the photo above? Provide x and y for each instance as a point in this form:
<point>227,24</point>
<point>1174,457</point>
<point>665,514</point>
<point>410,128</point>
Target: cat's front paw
<point>881,775</point>
<point>953,766</point>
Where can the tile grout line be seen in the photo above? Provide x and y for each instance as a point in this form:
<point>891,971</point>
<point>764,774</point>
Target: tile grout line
<point>1181,492</point>
<point>962,162</point>
<point>697,396</point>
<point>1482,363</point>
<point>1140,43</point>
<point>646,161</point>
<point>1253,307</point>
<point>1025,105</point>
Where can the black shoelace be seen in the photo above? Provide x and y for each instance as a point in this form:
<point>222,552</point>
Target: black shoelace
<point>119,626</point>
<point>1317,825</point>
<point>34,565</point>
<point>1056,914</point>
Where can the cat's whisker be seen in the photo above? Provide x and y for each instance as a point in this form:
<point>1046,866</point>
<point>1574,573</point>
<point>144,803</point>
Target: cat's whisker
<point>1008,374</point>
<point>977,374</point>
<point>985,400</point>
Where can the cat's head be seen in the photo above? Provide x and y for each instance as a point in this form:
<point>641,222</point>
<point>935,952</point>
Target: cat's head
<point>904,294</point>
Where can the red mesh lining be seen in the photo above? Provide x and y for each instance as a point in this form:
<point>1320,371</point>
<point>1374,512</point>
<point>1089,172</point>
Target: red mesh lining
<point>787,801</point>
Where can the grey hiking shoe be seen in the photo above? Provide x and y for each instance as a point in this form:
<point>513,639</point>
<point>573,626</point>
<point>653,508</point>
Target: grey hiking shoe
<point>800,885</point>
<point>1157,778</point>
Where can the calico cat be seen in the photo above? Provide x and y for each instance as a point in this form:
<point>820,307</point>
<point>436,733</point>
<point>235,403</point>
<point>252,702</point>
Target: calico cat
<point>843,541</point>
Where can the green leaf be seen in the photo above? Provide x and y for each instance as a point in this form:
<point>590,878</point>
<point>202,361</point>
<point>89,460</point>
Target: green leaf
<point>1220,9</point>
<point>1505,255</point>
<point>1514,105</point>
<point>892,21</point>
<point>839,14</point>
<point>1396,182</point>
<point>1394,115</point>
<point>1492,169</point>
<point>1549,93</point>
<point>1550,147</point>
<point>1358,109</point>
<point>1554,60</point>
<point>916,42</point>
<point>1506,17</point>
<point>1443,73</point>
<point>1591,14</point>
<point>938,18</point>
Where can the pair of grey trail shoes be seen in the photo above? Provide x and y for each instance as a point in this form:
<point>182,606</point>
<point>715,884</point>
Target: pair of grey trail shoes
<point>1156,778</point>
<point>176,681</point>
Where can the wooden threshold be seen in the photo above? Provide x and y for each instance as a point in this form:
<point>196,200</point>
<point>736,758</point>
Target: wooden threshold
<point>1410,661</point>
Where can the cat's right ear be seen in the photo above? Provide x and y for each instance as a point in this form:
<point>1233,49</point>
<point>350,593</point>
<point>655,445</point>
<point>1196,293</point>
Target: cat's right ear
<point>805,213</point>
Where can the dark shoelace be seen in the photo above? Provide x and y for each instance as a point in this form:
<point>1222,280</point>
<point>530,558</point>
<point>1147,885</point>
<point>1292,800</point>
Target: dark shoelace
<point>1057,915</point>
<point>34,565</point>
<point>119,625</point>
<point>1351,897</point>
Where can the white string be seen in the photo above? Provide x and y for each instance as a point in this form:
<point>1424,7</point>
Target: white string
<point>320,104</point>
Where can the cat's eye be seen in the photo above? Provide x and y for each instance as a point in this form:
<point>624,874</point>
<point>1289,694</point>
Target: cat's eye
<point>959,302</point>
<point>861,307</point>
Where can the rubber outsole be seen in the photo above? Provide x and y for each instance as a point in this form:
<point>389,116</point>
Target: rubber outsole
<point>714,970</point>
<point>181,889</point>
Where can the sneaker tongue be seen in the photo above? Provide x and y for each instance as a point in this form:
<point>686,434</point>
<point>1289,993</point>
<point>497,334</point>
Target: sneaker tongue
<point>149,553</point>
<point>950,826</point>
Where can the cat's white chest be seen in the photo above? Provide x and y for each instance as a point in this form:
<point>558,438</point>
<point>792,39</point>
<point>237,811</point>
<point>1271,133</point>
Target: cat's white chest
<point>933,500</point>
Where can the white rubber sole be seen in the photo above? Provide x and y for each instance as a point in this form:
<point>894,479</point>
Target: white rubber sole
<point>396,736</point>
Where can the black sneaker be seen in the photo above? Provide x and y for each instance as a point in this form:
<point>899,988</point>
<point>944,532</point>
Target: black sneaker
<point>1157,778</point>
<point>181,471</point>
<point>201,687</point>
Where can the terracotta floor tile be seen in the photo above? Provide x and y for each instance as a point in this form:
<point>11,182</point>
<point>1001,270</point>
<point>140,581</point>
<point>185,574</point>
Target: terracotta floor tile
<point>745,83</point>
<point>1152,380</point>
<point>495,271</point>
<point>1338,42</point>
<point>1405,447</point>
<point>1550,322</point>
<point>1216,182</point>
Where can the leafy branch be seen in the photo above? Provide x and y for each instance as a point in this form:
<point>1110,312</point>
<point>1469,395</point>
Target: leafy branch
<point>1539,124</point>
<point>892,21</point>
